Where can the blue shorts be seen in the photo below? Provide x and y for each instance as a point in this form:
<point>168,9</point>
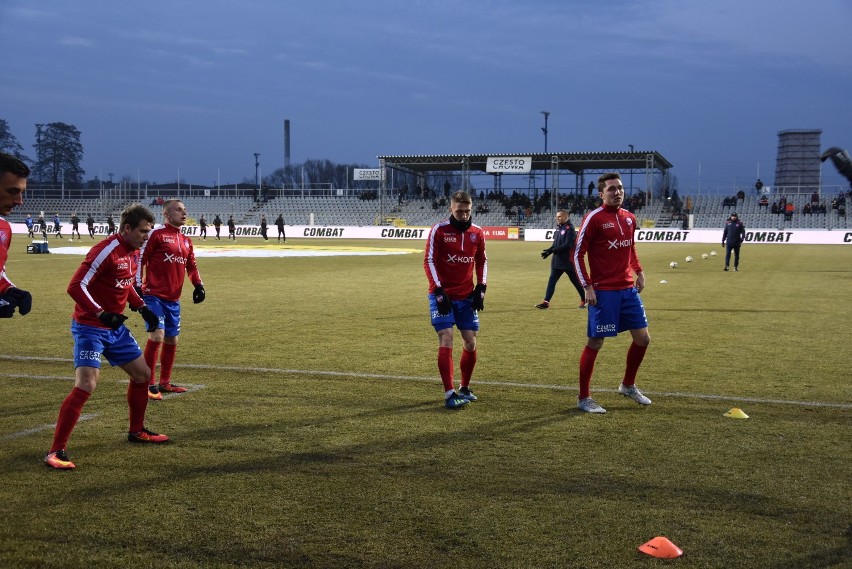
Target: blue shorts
<point>119,347</point>
<point>168,313</point>
<point>463,316</point>
<point>616,311</point>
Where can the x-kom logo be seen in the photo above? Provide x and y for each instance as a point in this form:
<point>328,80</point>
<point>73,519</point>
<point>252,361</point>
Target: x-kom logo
<point>618,244</point>
<point>173,258</point>
<point>459,258</point>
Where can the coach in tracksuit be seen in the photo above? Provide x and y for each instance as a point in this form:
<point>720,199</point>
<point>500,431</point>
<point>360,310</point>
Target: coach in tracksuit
<point>563,245</point>
<point>732,237</point>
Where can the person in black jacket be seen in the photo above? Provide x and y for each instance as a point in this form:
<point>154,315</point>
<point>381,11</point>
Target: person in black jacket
<point>564,238</point>
<point>732,237</point>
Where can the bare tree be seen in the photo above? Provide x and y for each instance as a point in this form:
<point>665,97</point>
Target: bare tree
<point>9,144</point>
<point>59,154</point>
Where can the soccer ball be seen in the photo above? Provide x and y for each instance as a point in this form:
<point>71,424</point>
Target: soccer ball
<point>712,253</point>
<point>689,259</point>
<point>673,264</point>
<point>704,255</point>
<point>71,240</point>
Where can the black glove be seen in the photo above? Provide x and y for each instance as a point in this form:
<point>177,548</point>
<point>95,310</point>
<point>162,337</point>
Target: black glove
<point>198,295</point>
<point>546,253</point>
<point>112,319</point>
<point>478,298</point>
<point>15,297</point>
<point>444,304</point>
<point>138,290</point>
<point>151,319</point>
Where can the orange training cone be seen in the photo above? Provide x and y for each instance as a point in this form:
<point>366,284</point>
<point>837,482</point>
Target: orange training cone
<point>736,413</point>
<point>661,547</point>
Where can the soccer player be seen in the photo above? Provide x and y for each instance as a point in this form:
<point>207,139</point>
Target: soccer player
<point>232,231</point>
<point>279,222</point>
<point>13,184</point>
<point>101,288</point>
<point>203,223</point>
<point>90,223</point>
<point>733,236</point>
<point>75,225</point>
<point>57,226</point>
<point>562,250</point>
<point>455,249</point>
<point>165,259</point>
<point>612,295</point>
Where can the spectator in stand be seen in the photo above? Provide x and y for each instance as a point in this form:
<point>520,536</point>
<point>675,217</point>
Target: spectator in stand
<point>774,208</point>
<point>758,186</point>
<point>806,209</point>
<point>789,210</point>
<point>763,202</point>
<point>733,236</point>
<point>815,197</point>
<point>741,196</point>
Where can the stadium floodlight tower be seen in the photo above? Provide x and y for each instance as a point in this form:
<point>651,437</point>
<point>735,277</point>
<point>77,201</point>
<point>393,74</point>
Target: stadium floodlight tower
<point>257,171</point>
<point>544,130</point>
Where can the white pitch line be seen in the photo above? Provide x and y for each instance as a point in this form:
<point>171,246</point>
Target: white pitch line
<point>279,371</point>
<point>48,427</point>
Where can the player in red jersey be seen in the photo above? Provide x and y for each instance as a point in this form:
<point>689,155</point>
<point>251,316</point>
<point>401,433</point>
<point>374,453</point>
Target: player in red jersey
<point>606,236</point>
<point>455,249</point>
<point>166,259</point>
<point>13,184</point>
<point>101,288</point>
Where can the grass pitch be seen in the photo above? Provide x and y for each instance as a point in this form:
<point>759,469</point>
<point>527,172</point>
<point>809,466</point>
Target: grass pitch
<point>315,435</point>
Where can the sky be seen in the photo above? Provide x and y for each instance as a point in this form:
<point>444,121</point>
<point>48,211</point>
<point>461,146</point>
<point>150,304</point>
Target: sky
<point>194,88</point>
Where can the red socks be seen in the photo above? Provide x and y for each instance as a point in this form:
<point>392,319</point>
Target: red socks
<point>587,366</point>
<point>137,401</point>
<point>69,414</point>
<point>150,355</point>
<point>445,367</point>
<point>468,361</point>
<point>635,355</point>
<point>167,361</point>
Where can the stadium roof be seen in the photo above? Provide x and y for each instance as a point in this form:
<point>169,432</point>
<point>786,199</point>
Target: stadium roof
<point>577,162</point>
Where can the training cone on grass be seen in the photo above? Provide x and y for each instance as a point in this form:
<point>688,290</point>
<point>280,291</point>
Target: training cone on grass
<point>661,547</point>
<point>736,413</point>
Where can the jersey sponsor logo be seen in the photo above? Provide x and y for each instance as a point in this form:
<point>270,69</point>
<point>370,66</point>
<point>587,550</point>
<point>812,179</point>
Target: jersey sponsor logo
<point>173,258</point>
<point>466,259</point>
<point>450,239</point>
<point>620,243</point>
<point>168,239</point>
<point>124,283</point>
<point>604,328</point>
<point>608,225</point>
<point>122,265</point>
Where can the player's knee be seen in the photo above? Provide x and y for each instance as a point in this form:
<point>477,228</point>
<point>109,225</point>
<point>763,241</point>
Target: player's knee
<point>470,346</point>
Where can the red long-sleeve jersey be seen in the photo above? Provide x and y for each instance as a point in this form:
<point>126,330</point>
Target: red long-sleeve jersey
<point>167,257</point>
<point>5,242</point>
<point>606,235</point>
<point>452,256</point>
<point>104,281</point>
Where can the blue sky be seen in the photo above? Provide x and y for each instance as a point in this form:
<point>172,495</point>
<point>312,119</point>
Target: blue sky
<point>199,86</point>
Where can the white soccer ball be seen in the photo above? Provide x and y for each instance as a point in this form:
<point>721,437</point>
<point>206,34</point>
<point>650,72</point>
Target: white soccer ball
<point>712,253</point>
<point>689,259</point>
<point>673,264</point>
<point>71,240</point>
<point>704,255</point>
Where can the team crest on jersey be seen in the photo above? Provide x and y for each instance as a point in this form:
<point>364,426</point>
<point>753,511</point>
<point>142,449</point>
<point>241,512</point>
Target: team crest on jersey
<point>473,238</point>
<point>3,238</point>
<point>563,232</point>
<point>629,221</point>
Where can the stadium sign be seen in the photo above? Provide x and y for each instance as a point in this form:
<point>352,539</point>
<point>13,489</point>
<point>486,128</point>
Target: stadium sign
<point>508,164</point>
<point>367,174</point>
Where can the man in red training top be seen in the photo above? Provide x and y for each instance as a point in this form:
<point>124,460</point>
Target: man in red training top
<point>606,236</point>
<point>454,249</point>
<point>13,184</point>
<point>101,288</point>
<point>166,258</point>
